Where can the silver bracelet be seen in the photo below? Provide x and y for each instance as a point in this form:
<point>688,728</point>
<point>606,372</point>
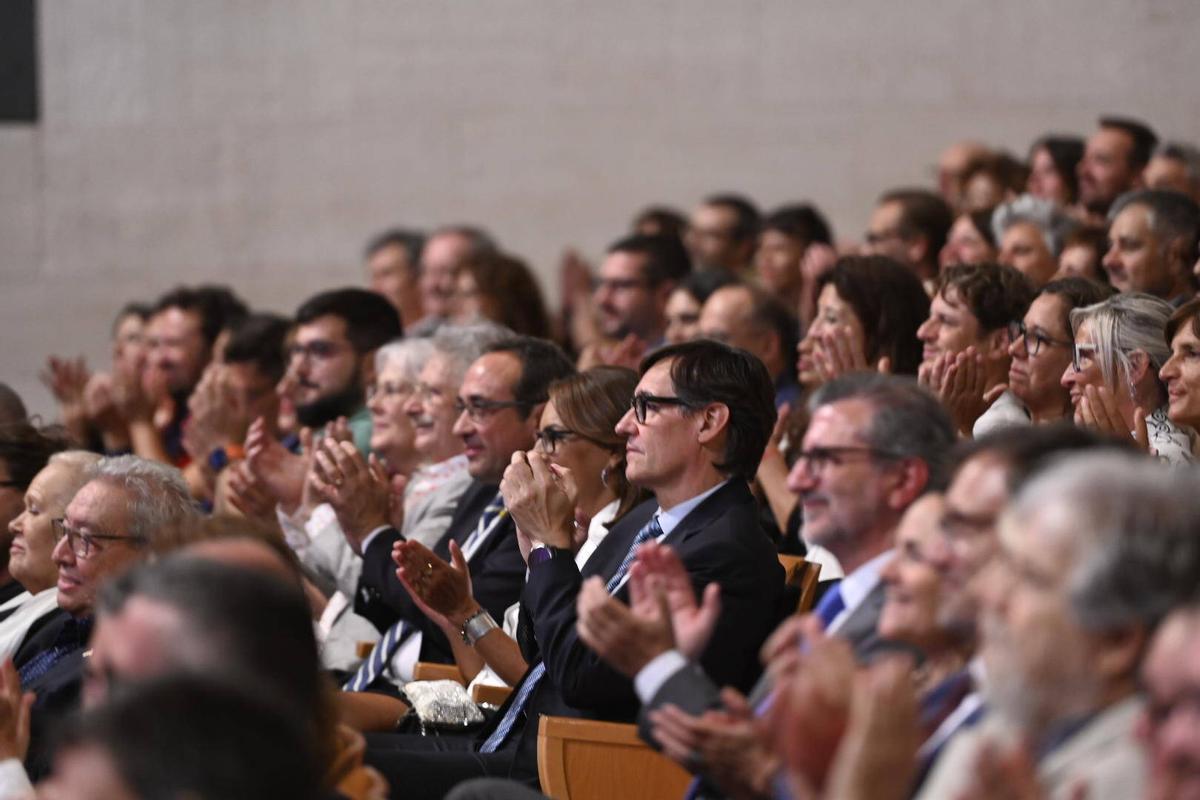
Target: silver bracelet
<point>477,626</point>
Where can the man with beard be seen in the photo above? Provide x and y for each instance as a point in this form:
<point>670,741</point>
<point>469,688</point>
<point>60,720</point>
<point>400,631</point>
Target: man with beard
<point>1113,163</point>
<point>1092,555</point>
<point>333,357</point>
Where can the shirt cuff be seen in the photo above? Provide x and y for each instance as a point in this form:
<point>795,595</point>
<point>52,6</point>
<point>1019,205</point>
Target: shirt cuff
<point>14,781</point>
<point>652,676</point>
<point>371,537</point>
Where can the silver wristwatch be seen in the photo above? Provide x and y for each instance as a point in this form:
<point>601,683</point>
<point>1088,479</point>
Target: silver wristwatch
<point>477,626</point>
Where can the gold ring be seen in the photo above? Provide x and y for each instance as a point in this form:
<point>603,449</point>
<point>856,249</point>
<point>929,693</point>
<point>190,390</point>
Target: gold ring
<point>428,567</point>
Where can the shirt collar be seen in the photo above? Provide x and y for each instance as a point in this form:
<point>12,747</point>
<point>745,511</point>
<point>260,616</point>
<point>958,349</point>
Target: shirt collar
<point>669,518</point>
<point>861,582</point>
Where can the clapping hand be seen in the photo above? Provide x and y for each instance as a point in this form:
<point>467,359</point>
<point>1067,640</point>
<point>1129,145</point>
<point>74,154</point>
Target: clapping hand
<point>15,707</point>
<point>442,591</point>
<point>279,472</point>
<point>358,489</point>
<point>1098,409</point>
<point>959,381</point>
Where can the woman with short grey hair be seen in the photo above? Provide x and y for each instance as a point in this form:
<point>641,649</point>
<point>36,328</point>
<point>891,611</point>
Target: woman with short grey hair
<point>1113,376</point>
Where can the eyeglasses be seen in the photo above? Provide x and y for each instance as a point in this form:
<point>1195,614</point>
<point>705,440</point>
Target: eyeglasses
<point>819,459</point>
<point>642,402</point>
<point>10,484</point>
<point>319,349</point>
<point>1032,340</point>
<point>479,409</point>
<point>1081,353</point>
<point>389,390</point>
<point>82,544</point>
<point>549,438</point>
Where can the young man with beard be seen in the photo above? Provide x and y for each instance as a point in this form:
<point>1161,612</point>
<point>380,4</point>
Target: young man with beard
<point>333,357</point>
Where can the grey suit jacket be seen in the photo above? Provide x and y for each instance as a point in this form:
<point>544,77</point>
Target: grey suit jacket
<point>429,517</point>
<point>694,692</point>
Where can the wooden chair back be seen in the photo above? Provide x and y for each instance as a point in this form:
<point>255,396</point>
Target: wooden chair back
<point>582,759</point>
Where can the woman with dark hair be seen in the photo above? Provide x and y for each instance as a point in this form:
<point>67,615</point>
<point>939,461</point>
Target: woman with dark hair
<point>970,241</point>
<point>868,312</point>
<point>1041,346</point>
<point>576,433</point>
<point>687,299</point>
<point>1181,372</point>
<point>501,288</point>
<point>1052,163</point>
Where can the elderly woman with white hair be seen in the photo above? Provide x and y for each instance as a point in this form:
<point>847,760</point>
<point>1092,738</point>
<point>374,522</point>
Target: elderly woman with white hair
<point>1113,375</point>
<point>1030,233</point>
<point>34,537</point>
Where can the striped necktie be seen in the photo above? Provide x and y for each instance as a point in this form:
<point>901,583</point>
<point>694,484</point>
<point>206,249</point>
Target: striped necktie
<point>651,529</point>
<point>493,510</point>
<point>383,651</point>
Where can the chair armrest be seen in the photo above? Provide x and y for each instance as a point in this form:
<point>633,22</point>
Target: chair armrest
<point>429,671</point>
<point>492,695</point>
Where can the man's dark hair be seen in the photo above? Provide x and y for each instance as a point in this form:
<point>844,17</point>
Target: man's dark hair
<point>906,420</point>
<point>1173,217</point>
<point>25,449</point>
<point>703,372</point>
<point>371,321</point>
<point>703,283</point>
<point>746,214</point>
<point>188,736</point>
<point>1189,311</point>
<point>922,213</point>
<point>666,259</point>
<point>890,303</point>
<point>241,624</point>
<point>996,294</point>
<point>542,363</point>
<point>217,306</point>
<point>1144,138</point>
<point>260,339</point>
<point>801,221</point>
<point>411,242</point>
<point>667,221</point>
<point>1077,293</point>
<point>1026,450</point>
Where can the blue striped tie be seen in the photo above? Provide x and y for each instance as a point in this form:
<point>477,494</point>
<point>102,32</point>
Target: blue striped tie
<point>494,509</point>
<point>650,530</point>
<point>381,654</point>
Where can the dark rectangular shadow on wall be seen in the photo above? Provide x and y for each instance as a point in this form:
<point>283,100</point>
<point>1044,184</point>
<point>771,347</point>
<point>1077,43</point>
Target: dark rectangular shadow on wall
<point>18,61</point>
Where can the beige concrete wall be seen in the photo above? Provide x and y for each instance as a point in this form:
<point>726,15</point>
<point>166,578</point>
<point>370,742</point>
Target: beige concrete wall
<point>259,142</point>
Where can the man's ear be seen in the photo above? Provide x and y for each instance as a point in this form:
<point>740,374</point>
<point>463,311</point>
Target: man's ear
<point>714,421</point>
<point>535,417</point>
<point>912,478</point>
<point>917,249</point>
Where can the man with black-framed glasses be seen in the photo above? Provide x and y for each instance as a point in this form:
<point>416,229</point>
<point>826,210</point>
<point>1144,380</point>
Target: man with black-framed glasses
<point>499,403</point>
<point>128,508</point>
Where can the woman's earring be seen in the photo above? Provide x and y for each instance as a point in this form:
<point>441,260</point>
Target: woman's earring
<point>604,476</point>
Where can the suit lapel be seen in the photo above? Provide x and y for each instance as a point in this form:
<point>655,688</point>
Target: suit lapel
<point>732,493</point>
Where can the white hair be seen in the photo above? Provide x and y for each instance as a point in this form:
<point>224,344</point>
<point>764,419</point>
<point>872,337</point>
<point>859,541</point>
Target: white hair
<point>159,501</point>
<point>1048,218</point>
<point>407,354</point>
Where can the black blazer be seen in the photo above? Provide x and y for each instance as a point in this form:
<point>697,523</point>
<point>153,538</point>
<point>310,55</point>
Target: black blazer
<point>721,540</point>
<point>497,573</point>
<point>58,690</point>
